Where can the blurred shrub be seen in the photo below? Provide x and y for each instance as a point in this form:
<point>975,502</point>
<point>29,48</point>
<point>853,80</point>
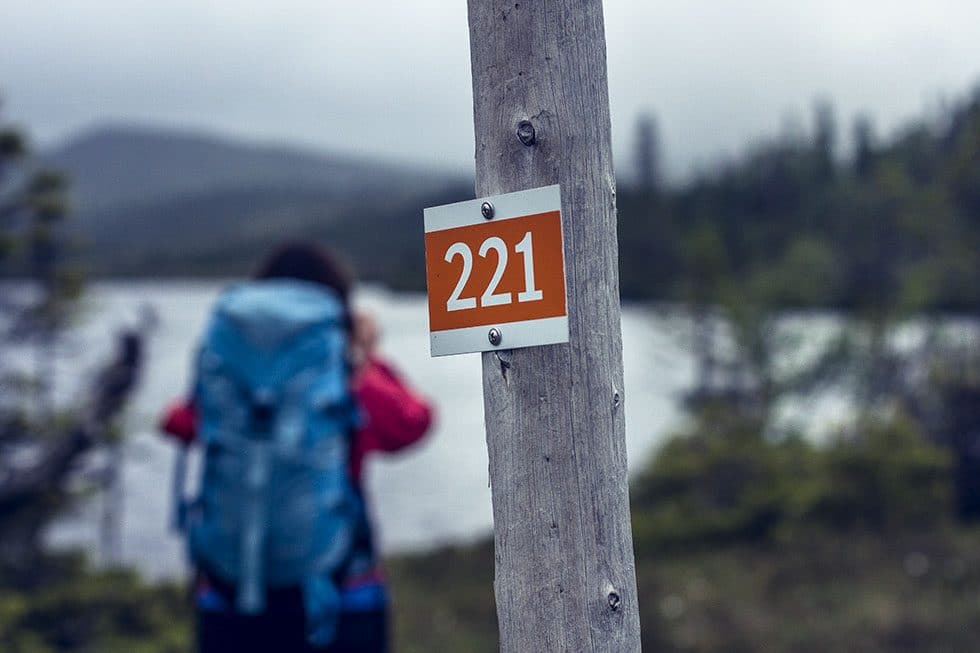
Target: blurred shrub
<point>72,608</point>
<point>887,477</point>
<point>443,600</point>
<point>724,481</point>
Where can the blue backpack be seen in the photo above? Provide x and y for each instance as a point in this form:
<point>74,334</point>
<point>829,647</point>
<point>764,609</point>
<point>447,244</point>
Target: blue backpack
<point>277,505</point>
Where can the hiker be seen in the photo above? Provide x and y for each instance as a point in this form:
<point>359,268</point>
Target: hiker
<point>289,399</point>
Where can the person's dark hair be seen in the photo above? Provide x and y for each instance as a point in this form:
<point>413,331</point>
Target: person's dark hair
<point>308,262</point>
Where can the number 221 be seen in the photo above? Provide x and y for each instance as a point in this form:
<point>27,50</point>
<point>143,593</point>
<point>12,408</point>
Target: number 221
<point>490,297</point>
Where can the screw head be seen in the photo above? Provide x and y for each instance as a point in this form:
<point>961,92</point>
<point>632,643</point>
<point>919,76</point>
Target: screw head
<point>487,210</point>
<point>495,336</point>
<point>525,132</point>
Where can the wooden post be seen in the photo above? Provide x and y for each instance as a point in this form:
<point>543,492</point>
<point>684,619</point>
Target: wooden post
<point>565,576</point>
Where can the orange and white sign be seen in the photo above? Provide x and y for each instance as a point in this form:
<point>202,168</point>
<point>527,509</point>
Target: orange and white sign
<point>495,269</point>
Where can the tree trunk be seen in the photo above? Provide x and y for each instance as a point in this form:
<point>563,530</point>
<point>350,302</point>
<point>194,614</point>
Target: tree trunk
<point>565,578</point>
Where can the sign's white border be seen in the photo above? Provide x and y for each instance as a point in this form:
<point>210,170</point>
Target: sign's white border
<point>505,207</point>
<point>525,333</point>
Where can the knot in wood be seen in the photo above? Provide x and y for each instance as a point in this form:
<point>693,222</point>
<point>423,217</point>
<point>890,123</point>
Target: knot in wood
<point>525,133</point>
<point>614,601</point>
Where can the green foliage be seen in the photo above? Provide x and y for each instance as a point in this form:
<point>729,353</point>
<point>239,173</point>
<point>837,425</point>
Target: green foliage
<point>747,544</point>
<point>11,143</point>
<point>907,592</point>
<point>705,264</point>
<point>807,274</point>
<point>902,594</point>
<point>887,477</point>
<point>443,601</point>
<point>74,609</point>
<point>33,206</point>
<point>725,482</point>
<point>893,231</point>
<point>54,603</point>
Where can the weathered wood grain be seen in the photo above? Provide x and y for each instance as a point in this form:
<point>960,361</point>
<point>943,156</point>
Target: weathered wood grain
<point>565,578</point>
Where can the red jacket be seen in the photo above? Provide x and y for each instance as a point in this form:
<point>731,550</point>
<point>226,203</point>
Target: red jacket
<point>395,415</point>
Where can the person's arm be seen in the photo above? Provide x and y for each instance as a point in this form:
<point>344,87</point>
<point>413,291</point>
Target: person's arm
<point>395,415</point>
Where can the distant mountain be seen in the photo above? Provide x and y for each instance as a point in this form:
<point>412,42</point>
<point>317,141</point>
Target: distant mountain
<point>119,165</point>
<point>150,201</point>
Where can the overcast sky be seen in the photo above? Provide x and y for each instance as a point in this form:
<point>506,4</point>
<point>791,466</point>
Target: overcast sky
<point>392,78</point>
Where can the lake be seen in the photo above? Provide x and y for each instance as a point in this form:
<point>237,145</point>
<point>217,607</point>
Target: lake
<point>433,494</point>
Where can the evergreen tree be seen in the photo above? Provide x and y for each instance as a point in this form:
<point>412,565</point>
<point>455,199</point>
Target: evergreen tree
<point>824,139</point>
<point>33,204</point>
<point>647,154</point>
<point>864,147</point>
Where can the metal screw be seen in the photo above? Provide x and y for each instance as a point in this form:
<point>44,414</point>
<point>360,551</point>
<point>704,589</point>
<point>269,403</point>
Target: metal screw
<point>495,336</point>
<point>525,132</point>
<point>487,210</point>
